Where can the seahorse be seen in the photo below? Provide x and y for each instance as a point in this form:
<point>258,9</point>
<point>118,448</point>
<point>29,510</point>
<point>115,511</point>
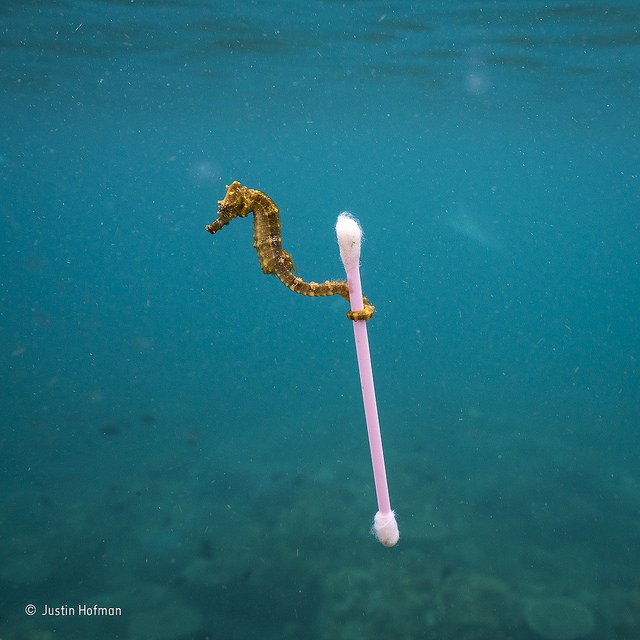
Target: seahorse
<point>239,202</point>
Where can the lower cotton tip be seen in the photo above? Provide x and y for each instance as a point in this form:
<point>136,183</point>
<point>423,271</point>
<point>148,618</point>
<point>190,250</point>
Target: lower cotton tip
<point>386,528</point>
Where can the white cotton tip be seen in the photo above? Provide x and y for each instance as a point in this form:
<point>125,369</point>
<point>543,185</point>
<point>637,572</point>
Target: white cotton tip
<point>349,234</point>
<point>386,528</point>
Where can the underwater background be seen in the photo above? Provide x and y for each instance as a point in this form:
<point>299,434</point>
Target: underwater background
<point>183,438</point>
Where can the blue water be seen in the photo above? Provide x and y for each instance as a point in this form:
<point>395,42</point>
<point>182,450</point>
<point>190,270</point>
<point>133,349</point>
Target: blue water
<point>183,438</point>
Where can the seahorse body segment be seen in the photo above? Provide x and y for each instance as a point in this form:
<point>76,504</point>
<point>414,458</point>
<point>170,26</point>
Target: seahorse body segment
<point>239,202</point>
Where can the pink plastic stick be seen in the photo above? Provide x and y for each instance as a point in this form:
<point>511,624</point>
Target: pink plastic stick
<point>350,239</point>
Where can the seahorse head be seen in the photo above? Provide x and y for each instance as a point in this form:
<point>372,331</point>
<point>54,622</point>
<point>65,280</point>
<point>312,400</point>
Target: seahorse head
<point>234,205</point>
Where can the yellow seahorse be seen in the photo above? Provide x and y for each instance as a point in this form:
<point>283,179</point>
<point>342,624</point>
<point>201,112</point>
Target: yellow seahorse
<point>239,202</point>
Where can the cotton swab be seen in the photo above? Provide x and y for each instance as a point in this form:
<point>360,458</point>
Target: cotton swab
<point>349,235</point>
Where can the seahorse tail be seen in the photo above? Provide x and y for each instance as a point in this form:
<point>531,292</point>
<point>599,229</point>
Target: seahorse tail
<point>298,285</point>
